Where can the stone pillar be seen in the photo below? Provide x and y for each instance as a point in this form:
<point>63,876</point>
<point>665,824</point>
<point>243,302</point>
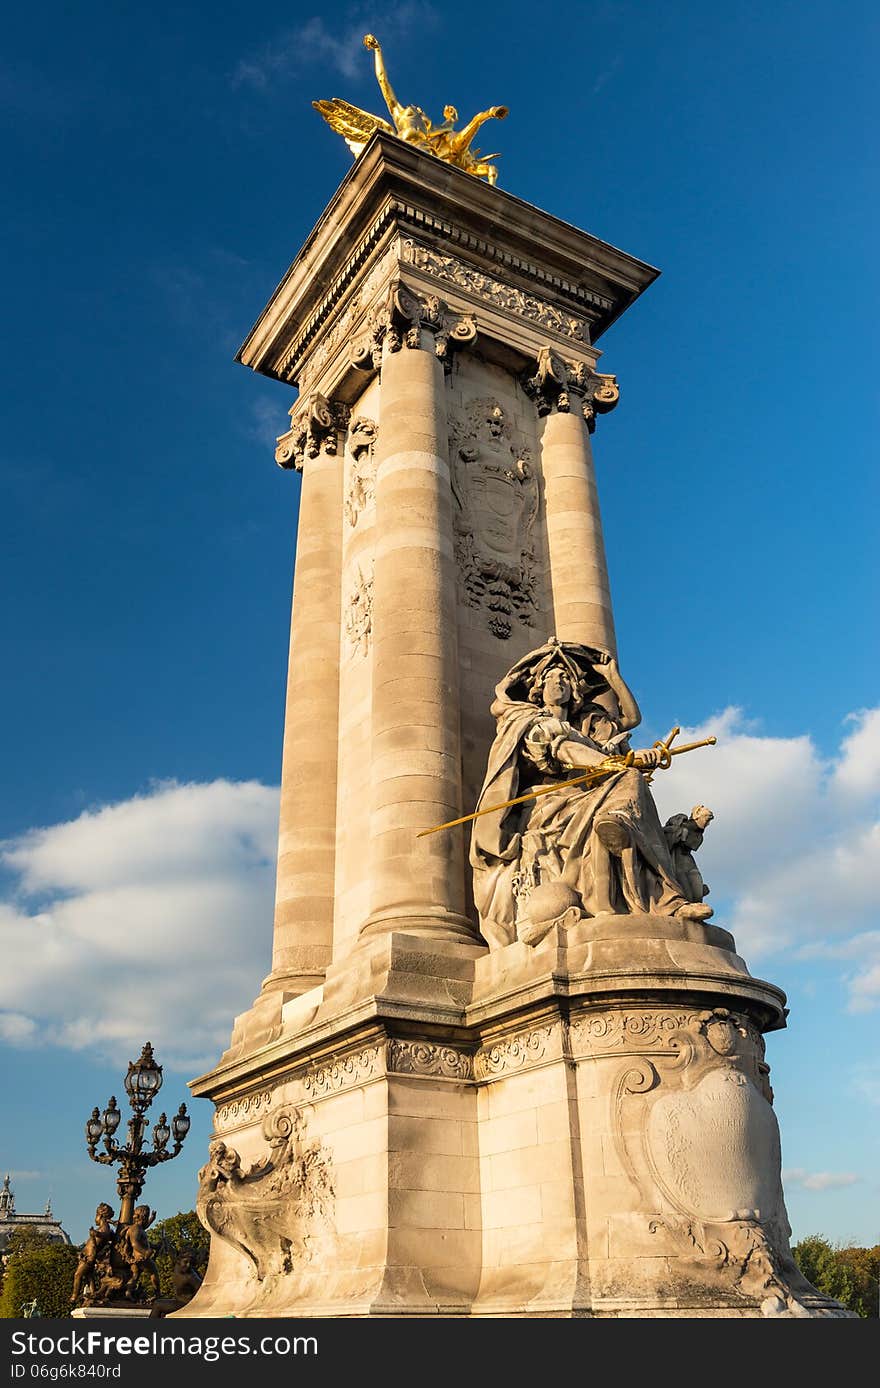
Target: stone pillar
<point>304,893</point>
<point>568,395</point>
<point>417,884</point>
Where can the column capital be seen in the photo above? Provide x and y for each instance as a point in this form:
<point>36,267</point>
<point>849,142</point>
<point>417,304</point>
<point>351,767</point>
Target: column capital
<point>416,321</point>
<point>315,426</point>
<point>556,383</point>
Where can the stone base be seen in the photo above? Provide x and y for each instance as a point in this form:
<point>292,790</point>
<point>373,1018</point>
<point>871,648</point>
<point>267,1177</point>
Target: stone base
<point>105,1313</point>
<point>583,1128</point>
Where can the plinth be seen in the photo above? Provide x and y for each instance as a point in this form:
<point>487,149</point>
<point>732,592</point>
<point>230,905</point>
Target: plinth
<point>575,1122</point>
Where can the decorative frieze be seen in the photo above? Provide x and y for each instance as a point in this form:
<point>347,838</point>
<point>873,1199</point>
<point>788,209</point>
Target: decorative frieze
<point>315,427</point>
<point>511,1053</point>
<point>558,384</point>
<point>495,292</point>
<point>428,1058</point>
<point>340,1074</point>
<point>237,1112</point>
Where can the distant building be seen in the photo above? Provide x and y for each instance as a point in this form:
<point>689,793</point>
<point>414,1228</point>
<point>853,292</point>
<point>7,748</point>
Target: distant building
<point>11,1221</point>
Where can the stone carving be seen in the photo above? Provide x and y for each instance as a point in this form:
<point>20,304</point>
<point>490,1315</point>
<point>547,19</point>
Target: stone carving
<point>342,1073</point>
<point>342,327</point>
<point>496,496</point>
<point>607,1033</point>
<point>427,1058</point>
<point>684,834</point>
<point>416,321</point>
<point>240,1111</point>
<point>602,840</point>
<point>513,1052</point>
<point>704,1141</point>
<point>315,426</point>
<point>556,383</point>
<point>279,1212</point>
<point>506,296</point>
<point>359,614</point>
<point>362,477</point>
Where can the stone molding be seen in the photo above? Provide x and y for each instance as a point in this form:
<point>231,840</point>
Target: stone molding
<point>504,296</point>
<point>315,427</point>
<point>559,384</point>
<point>408,217</point>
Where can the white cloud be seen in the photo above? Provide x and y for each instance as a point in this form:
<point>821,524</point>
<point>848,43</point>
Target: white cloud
<point>791,857</point>
<point>148,919</point>
<point>338,47</point>
<point>819,1180</point>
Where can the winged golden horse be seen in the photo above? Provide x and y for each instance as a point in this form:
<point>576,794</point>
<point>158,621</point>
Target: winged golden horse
<point>412,125</point>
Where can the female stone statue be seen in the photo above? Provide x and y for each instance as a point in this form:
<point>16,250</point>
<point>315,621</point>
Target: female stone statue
<point>560,710</point>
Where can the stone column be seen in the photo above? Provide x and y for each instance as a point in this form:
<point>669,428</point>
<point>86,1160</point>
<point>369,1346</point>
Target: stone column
<point>569,395</point>
<point>304,893</point>
<point>417,883</point>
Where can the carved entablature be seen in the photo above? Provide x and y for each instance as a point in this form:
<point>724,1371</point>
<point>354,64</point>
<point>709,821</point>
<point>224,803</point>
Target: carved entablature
<point>496,495</point>
<point>315,427</point>
<point>416,321</point>
<point>361,490</point>
<point>563,385</point>
<point>494,291</point>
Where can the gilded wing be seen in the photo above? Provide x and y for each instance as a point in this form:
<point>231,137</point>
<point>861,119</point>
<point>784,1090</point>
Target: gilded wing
<point>354,125</point>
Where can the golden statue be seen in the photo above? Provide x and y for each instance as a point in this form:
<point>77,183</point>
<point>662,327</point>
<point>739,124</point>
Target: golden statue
<point>411,124</point>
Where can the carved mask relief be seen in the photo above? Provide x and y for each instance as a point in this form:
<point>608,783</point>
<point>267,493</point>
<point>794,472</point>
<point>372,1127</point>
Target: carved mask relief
<point>496,496</point>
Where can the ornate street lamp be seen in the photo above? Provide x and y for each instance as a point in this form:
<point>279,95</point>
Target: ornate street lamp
<point>142,1084</point>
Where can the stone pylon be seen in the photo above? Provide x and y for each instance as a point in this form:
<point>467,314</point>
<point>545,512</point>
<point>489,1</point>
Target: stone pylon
<point>407,1122</point>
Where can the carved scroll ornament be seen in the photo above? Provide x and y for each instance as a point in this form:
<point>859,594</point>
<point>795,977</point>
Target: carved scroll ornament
<point>562,385</point>
<point>315,426</point>
<point>415,321</point>
<point>277,1213</point>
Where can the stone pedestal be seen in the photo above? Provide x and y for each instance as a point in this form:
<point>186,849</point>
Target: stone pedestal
<point>408,1123</point>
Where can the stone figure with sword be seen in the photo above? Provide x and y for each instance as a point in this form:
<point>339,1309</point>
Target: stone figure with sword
<point>565,817</point>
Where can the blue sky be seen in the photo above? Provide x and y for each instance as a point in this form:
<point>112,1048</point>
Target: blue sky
<point>164,165</point>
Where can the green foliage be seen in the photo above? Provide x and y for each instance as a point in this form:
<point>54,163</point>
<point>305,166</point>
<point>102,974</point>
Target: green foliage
<point>849,1274</point>
<point>41,1272</point>
<point>183,1231</point>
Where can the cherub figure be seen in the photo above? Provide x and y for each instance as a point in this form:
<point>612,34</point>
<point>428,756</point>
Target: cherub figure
<point>684,835</point>
<point>95,1249</point>
<point>412,124</point>
<point>138,1252</point>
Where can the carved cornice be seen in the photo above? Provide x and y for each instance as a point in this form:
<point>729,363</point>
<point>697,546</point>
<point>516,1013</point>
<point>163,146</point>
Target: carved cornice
<point>495,292</point>
<point>315,427</point>
<point>415,321</point>
<point>408,217</point>
<point>558,384</point>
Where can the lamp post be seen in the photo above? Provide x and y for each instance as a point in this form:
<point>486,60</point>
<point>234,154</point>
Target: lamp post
<point>142,1084</point>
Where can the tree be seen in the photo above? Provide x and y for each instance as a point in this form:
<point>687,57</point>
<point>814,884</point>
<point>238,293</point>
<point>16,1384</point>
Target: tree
<point>37,1270</point>
<point>849,1274</point>
<point>183,1231</point>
